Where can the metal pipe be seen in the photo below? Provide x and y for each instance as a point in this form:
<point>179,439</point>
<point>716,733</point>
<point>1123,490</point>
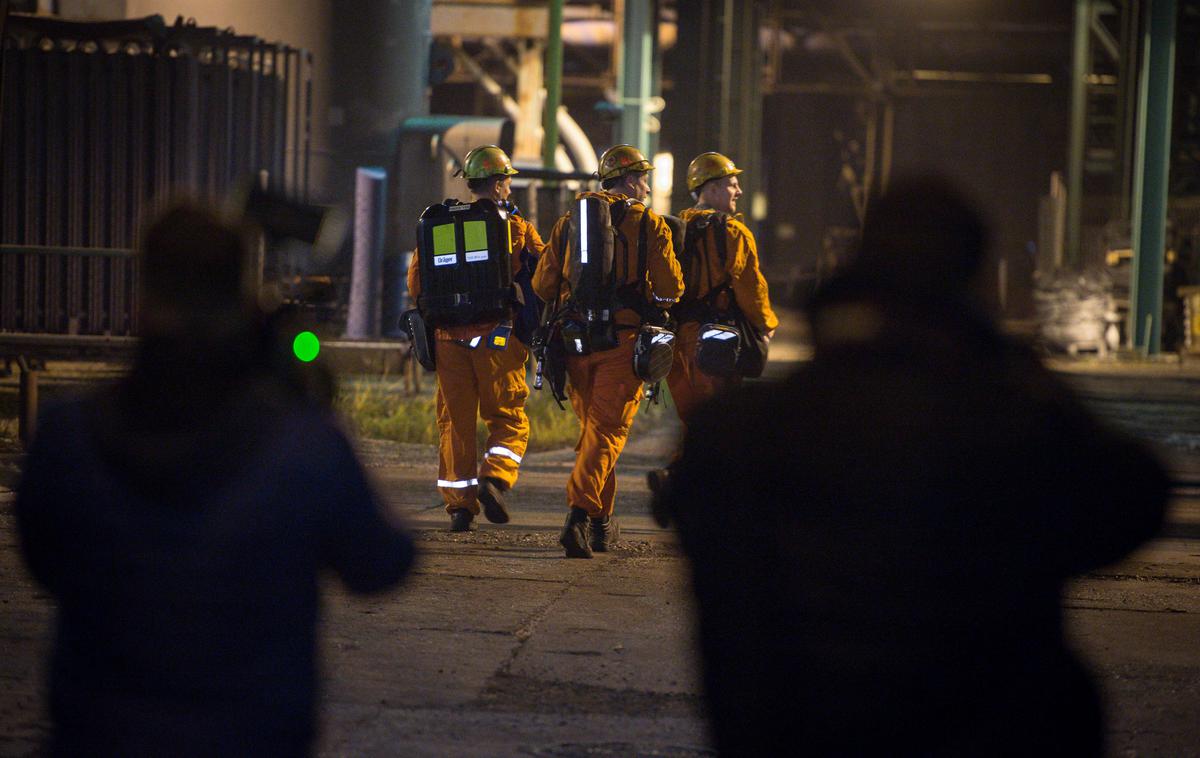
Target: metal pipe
<point>553,79</point>
<point>489,84</point>
<point>1156,87</point>
<point>726,76</point>
<point>1127,104</point>
<point>869,157</point>
<point>1075,150</point>
<point>1104,37</point>
<point>366,276</point>
<point>308,106</point>
<point>889,127</point>
<point>577,140</point>
<point>3,26</point>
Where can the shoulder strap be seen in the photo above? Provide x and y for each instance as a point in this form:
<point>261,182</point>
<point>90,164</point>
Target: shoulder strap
<point>617,218</point>
<point>694,232</point>
<point>722,233</point>
<point>720,221</point>
<point>563,252</point>
<point>643,231</point>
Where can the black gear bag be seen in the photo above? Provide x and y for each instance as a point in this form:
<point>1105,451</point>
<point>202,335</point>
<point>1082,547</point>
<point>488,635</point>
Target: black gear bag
<point>420,338</point>
<point>718,349</point>
<point>464,263</point>
<point>652,353</point>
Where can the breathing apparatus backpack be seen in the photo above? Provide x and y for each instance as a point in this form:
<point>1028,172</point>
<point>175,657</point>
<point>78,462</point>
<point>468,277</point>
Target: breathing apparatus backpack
<point>464,263</point>
<point>591,268</point>
<point>729,344</point>
<point>583,323</point>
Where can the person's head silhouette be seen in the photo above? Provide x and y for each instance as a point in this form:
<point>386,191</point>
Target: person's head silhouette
<point>922,234</point>
<point>194,274</point>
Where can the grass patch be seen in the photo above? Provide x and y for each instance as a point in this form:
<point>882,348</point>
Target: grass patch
<point>381,409</point>
<point>375,407</point>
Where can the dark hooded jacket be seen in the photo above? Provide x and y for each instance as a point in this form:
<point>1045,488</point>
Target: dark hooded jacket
<point>180,520</point>
<point>879,542</point>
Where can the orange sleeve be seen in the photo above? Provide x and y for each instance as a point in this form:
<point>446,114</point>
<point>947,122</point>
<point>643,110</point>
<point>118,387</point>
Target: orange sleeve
<point>749,285</point>
<point>533,240</point>
<point>516,238</point>
<point>547,278</point>
<point>525,239</point>
<point>662,267</point>
<point>414,278</point>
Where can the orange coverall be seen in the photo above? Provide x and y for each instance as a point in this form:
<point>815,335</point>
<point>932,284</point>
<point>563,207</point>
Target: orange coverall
<point>688,384</point>
<point>605,393</point>
<point>484,382</point>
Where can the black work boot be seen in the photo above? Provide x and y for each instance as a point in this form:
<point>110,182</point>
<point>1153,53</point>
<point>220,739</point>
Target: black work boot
<point>491,497</point>
<point>659,481</point>
<point>605,532</point>
<point>576,534</point>
<point>460,520</point>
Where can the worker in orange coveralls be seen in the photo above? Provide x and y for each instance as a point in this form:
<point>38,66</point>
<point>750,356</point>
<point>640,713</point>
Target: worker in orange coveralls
<point>475,380</point>
<point>721,273</point>
<point>605,392</point>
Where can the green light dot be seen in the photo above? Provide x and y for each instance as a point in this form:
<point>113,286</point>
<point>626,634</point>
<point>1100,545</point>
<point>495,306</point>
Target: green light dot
<point>306,346</point>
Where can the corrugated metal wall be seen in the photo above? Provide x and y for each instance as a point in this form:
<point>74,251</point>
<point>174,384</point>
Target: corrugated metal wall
<point>101,122</point>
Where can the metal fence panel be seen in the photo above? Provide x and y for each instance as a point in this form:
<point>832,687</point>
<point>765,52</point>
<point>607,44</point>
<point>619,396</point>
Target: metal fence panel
<point>100,123</point>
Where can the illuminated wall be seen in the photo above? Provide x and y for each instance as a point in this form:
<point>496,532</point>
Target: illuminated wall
<point>299,23</point>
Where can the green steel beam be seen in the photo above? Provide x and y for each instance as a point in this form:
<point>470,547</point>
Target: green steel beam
<point>1080,68</point>
<point>637,73</point>
<point>553,77</point>
<point>1156,87</point>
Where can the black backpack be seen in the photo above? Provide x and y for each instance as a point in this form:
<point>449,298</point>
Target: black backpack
<point>692,263</point>
<point>464,263</point>
<point>729,343</point>
<point>591,266</point>
<point>592,269</point>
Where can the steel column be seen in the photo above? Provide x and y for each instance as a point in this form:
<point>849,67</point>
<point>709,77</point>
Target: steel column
<point>1075,150</point>
<point>636,73</point>
<point>370,211</point>
<point>1155,91</point>
<point>553,78</point>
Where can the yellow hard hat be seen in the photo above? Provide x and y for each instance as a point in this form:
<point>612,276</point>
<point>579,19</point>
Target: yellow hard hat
<point>620,160</point>
<point>487,161</point>
<point>707,166</point>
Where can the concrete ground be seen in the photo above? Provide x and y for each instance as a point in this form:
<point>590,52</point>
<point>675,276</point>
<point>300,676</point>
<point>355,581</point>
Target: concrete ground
<point>497,646</point>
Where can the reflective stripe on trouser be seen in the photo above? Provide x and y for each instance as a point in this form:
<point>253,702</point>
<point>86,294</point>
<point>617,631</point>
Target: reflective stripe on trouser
<point>605,394</point>
<point>690,387</point>
<point>489,384</point>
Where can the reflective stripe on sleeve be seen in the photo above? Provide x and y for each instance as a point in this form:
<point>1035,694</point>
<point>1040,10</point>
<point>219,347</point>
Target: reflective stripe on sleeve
<point>457,484</point>
<point>583,231</point>
<point>505,452</point>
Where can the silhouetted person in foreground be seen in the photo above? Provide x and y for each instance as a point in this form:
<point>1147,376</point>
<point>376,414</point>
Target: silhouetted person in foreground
<point>180,520</point>
<point>879,542</point>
